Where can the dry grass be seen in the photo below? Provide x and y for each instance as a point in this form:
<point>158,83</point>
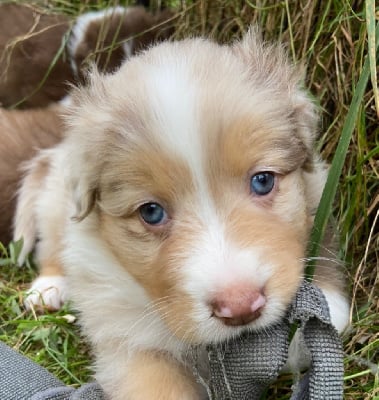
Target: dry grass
<point>328,40</point>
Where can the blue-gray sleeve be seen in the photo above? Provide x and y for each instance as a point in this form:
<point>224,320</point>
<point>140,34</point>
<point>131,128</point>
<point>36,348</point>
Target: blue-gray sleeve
<point>22,379</point>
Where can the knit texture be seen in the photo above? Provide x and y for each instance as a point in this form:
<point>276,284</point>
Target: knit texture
<point>243,368</point>
<point>22,379</point>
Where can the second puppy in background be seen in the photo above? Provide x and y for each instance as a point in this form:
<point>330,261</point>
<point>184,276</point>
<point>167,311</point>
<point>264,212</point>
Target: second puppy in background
<point>22,133</point>
<point>177,211</point>
<point>33,37</point>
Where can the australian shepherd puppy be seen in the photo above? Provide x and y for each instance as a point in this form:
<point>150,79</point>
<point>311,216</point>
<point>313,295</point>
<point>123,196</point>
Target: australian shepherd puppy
<point>178,208</point>
<point>22,134</point>
<point>29,41</point>
<point>34,67</point>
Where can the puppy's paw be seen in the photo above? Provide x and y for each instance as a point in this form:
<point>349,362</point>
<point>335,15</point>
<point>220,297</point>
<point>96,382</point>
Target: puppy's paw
<point>47,293</point>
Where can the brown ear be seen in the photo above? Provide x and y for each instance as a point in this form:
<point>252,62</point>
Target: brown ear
<point>306,119</point>
<point>84,198</point>
<point>83,146</point>
<point>268,65</point>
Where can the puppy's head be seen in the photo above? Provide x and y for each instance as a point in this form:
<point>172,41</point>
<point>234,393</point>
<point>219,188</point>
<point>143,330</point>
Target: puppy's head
<point>196,160</point>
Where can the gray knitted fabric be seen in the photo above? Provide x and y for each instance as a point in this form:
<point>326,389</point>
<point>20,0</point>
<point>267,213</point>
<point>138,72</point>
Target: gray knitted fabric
<point>22,379</point>
<point>239,370</point>
<point>243,368</point>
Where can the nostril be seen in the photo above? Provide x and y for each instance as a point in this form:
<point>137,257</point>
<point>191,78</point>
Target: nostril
<point>222,311</point>
<point>258,303</point>
<point>238,306</point>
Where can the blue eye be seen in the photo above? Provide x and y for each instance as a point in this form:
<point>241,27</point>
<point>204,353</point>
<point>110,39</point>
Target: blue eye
<point>262,183</point>
<point>153,213</point>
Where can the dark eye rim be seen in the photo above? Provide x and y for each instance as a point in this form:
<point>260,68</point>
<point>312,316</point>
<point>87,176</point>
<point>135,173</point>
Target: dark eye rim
<point>161,222</point>
<point>271,186</point>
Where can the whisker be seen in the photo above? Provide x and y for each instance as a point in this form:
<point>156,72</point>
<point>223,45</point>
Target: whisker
<point>150,309</point>
<point>319,258</point>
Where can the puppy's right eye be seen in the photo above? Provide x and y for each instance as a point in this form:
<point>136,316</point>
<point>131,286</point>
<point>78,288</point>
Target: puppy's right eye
<point>153,214</point>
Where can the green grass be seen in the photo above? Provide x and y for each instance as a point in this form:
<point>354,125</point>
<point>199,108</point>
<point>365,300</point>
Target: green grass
<point>334,43</point>
<point>52,339</point>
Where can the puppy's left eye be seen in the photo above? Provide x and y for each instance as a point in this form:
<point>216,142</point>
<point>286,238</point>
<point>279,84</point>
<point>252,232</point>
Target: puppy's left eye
<point>262,183</point>
<point>153,213</point>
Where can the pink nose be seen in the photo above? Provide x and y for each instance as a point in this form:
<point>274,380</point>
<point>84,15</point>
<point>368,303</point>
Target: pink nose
<point>238,305</point>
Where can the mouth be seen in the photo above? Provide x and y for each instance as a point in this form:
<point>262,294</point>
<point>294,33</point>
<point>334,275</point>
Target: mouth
<point>239,320</point>
<point>221,326</point>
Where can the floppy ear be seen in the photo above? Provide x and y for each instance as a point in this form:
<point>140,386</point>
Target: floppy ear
<point>306,121</point>
<point>84,145</point>
<point>84,195</point>
<point>81,177</point>
<point>269,66</point>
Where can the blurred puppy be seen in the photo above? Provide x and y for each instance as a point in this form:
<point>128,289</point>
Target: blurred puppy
<point>110,36</point>
<point>179,207</point>
<point>29,41</point>
<point>22,134</point>
<point>34,67</point>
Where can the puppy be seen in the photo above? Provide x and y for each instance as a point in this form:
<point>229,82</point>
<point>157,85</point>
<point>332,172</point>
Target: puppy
<point>179,207</point>
<point>29,41</point>
<point>34,67</point>
<point>23,133</point>
<point>110,36</point>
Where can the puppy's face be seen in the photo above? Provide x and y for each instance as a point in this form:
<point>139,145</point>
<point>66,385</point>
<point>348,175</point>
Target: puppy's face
<point>192,156</point>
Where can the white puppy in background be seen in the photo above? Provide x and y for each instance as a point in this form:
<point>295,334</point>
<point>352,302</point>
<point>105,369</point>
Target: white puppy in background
<point>178,208</point>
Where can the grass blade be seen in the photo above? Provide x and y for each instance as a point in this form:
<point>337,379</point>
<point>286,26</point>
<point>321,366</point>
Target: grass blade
<point>370,18</point>
<point>330,190</point>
